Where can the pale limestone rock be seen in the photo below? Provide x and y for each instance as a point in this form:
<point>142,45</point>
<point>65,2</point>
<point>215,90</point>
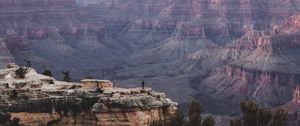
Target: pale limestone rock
<point>41,99</point>
<point>94,84</point>
<point>11,65</point>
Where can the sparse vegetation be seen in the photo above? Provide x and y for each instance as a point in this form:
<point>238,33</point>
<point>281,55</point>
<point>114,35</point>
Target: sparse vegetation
<point>178,119</point>
<point>67,77</point>
<point>87,103</point>
<point>194,114</point>
<point>15,122</point>
<point>253,115</point>
<point>14,94</point>
<point>27,63</point>
<point>194,117</point>
<point>74,108</point>
<point>249,110</point>
<point>47,73</point>
<point>99,90</point>
<point>21,72</point>
<point>209,121</point>
<point>264,116</point>
<point>280,118</point>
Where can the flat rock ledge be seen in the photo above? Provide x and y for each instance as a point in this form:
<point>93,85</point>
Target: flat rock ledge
<point>68,102</point>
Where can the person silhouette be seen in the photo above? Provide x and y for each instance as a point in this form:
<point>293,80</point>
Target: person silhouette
<point>143,85</point>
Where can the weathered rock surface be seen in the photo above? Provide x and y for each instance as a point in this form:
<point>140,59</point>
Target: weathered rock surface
<point>170,43</point>
<point>264,67</point>
<point>41,100</point>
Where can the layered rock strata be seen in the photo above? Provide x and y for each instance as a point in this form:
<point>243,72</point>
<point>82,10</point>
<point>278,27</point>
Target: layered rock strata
<point>159,41</point>
<point>263,66</point>
<point>41,100</point>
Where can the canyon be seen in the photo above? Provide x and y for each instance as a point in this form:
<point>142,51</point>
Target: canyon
<point>216,51</point>
<point>265,67</point>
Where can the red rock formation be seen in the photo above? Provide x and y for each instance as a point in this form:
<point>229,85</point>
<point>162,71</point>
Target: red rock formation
<point>266,68</point>
<point>292,25</point>
<point>256,76</point>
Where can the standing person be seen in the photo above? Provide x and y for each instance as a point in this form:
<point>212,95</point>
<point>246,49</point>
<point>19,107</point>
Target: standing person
<point>143,84</point>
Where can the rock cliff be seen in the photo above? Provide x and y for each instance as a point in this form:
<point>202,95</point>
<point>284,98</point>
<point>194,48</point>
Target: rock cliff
<point>42,100</point>
<point>265,68</point>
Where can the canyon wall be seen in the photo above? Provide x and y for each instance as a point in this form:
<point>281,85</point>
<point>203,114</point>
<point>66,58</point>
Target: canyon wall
<point>265,69</point>
<point>175,43</point>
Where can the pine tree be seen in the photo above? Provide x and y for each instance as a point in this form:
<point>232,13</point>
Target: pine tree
<point>209,121</point>
<point>249,110</point>
<point>255,116</point>
<point>47,73</point>
<point>21,72</point>
<point>194,114</point>
<point>280,118</point>
<point>178,119</point>
<point>264,117</point>
<point>67,77</point>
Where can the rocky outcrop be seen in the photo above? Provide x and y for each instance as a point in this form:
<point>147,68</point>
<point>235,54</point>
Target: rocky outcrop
<point>41,100</point>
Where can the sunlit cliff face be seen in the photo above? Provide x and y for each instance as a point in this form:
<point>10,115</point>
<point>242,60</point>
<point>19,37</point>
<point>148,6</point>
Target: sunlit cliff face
<point>37,99</point>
